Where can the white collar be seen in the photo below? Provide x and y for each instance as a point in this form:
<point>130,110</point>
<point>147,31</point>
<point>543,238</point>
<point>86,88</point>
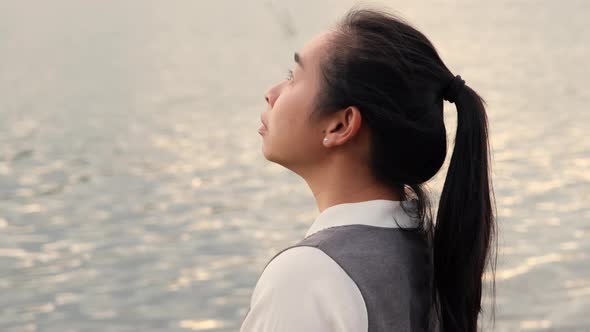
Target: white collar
<point>377,212</point>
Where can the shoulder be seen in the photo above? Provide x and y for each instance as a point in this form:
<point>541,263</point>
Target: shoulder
<point>299,264</point>
<point>303,285</point>
<point>308,268</point>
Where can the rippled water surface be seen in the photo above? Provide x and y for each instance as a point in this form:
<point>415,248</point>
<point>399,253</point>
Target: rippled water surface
<point>134,195</point>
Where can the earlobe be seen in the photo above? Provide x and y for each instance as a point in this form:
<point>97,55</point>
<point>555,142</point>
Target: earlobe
<point>344,122</point>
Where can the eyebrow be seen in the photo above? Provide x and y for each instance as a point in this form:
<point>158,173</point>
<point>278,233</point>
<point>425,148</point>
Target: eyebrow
<point>297,59</point>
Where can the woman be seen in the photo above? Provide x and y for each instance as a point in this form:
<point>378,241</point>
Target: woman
<point>360,118</point>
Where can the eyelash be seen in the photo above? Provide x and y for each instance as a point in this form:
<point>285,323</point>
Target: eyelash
<point>289,74</point>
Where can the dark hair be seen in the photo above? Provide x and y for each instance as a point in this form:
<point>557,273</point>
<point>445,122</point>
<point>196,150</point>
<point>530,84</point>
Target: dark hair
<point>389,70</point>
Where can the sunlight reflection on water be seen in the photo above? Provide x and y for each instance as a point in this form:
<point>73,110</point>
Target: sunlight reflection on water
<point>134,195</point>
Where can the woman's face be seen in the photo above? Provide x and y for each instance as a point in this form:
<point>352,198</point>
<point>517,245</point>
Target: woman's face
<point>287,138</point>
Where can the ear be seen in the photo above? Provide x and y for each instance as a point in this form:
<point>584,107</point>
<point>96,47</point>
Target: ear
<point>344,126</point>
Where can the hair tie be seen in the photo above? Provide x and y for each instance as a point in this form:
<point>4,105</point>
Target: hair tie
<point>453,88</point>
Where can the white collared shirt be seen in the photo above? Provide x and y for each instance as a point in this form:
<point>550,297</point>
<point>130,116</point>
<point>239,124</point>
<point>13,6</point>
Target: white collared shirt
<point>303,289</point>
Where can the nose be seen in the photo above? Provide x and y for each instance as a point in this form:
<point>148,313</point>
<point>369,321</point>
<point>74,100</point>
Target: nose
<point>272,94</point>
<point>269,98</point>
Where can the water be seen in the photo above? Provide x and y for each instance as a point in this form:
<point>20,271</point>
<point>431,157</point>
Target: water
<point>134,195</point>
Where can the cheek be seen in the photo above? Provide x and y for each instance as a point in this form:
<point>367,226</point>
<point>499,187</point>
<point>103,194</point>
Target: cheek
<point>283,112</point>
<point>291,108</point>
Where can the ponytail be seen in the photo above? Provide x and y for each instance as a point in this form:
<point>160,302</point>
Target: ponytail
<point>464,221</point>
<point>394,75</point>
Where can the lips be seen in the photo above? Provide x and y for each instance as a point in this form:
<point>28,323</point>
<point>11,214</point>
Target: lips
<point>262,128</point>
<point>263,122</point>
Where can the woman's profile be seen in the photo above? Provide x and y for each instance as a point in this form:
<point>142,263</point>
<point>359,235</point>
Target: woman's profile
<point>360,119</point>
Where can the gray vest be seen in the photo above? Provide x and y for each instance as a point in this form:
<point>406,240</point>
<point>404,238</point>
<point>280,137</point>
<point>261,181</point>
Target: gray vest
<point>391,267</point>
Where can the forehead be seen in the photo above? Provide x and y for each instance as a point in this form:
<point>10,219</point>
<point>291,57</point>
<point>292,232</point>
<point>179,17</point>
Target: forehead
<point>314,48</point>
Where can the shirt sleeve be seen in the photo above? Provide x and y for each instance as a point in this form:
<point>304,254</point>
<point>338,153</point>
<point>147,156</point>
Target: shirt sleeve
<point>304,289</point>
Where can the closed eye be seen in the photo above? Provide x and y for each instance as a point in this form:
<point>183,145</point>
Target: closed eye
<point>289,74</point>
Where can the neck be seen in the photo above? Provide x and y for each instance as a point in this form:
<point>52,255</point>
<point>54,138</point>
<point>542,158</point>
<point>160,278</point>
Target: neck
<point>337,184</point>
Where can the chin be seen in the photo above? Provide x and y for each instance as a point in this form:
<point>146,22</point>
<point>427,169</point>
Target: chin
<point>265,151</point>
<point>270,156</point>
